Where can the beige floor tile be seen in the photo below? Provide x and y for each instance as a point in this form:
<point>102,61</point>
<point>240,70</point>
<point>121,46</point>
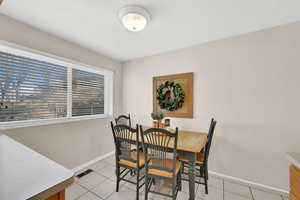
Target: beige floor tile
<point>182,196</point>
<point>108,171</point>
<point>232,196</point>
<point>130,186</point>
<point>74,191</point>
<point>99,165</point>
<point>162,186</point>
<point>133,179</point>
<point>123,194</point>
<point>113,178</point>
<point>215,182</point>
<point>91,180</point>
<point>213,194</point>
<point>238,189</point>
<point>185,187</point>
<point>105,189</point>
<point>153,196</point>
<point>110,159</point>
<point>89,196</point>
<point>262,195</point>
<point>285,195</point>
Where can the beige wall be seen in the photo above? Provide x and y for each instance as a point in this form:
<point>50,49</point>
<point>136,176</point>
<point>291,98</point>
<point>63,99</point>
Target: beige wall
<point>70,144</point>
<point>250,84</point>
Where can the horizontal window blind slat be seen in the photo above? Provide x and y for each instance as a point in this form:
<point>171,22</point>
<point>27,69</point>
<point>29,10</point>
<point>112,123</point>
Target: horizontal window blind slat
<point>30,69</point>
<point>10,82</point>
<point>88,86</point>
<point>38,87</point>
<point>28,77</point>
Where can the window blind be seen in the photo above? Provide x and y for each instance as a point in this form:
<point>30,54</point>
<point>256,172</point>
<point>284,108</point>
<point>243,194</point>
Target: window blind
<point>87,93</point>
<point>31,89</point>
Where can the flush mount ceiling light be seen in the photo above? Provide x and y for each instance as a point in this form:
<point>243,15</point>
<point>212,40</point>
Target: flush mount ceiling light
<point>134,18</point>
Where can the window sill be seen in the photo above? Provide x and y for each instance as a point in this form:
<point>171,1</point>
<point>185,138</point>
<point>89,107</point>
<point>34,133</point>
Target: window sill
<point>30,123</point>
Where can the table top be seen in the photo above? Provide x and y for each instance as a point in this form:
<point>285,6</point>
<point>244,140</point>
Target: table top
<point>26,174</point>
<point>189,141</point>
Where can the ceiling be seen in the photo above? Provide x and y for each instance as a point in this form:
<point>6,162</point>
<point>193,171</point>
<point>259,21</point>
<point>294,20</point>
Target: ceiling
<point>175,23</point>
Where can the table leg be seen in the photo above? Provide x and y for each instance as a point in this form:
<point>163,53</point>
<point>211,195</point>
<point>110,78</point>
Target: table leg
<point>191,157</point>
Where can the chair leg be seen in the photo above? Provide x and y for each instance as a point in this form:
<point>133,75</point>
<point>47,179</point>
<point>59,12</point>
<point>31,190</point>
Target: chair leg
<point>183,167</point>
<point>205,181</point>
<point>137,184</point>
<point>201,171</point>
<point>182,170</point>
<point>206,169</point>
<point>179,179</point>
<point>146,187</point>
<point>174,183</point>
<point>118,177</point>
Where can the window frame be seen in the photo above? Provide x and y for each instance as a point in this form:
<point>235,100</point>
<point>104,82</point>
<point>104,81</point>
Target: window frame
<point>69,64</point>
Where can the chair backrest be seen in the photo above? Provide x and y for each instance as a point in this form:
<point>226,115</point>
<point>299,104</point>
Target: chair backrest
<point>209,140</point>
<point>123,119</point>
<point>125,138</point>
<point>161,145</point>
<point>210,126</point>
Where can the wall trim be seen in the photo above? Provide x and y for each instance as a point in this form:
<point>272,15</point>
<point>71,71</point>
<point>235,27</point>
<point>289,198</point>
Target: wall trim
<point>249,183</point>
<point>80,167</point>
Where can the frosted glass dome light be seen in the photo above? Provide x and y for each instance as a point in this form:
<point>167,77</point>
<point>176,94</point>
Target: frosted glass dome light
<point>134,18</point>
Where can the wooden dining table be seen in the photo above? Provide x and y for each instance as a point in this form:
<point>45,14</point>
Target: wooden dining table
<point>189,143</point>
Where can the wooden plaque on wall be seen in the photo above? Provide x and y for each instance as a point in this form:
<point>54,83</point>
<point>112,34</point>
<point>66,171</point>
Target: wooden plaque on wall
<point>186,81</point>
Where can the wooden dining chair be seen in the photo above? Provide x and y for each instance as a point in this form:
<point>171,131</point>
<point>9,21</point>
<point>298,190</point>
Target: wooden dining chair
<point>123,119</point>
<point>131,160</point>
<point>202,157</point>
<point>161,145</point>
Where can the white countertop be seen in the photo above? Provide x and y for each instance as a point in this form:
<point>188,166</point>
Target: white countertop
<point>25,173</point>
<point>294,158</point>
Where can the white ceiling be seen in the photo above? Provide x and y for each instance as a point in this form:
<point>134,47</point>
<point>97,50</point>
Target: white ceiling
<point>175,23</point>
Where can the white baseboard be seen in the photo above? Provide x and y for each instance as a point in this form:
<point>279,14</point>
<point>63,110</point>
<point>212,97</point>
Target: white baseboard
<point>76,169</point>
<point>249,183</point>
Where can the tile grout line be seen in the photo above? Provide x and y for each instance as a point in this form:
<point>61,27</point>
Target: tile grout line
<point>87,191</point>
<point>95,194</point>
<point>223,189</point>
<point>251,192</point>
<point>90,190</point>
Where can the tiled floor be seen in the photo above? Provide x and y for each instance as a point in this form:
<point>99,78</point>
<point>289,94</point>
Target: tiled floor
<point>100,185</point>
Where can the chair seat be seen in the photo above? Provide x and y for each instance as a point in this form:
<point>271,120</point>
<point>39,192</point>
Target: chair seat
<point>163,173</point>
<point>134,157</point>
<point>199,158</point>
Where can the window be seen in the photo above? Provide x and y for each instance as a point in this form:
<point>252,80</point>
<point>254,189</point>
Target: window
<point>38,89</point>
<point>87,93</point>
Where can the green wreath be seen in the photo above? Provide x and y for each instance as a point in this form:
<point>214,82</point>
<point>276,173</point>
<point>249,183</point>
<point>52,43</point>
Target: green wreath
<point>170,96</point>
